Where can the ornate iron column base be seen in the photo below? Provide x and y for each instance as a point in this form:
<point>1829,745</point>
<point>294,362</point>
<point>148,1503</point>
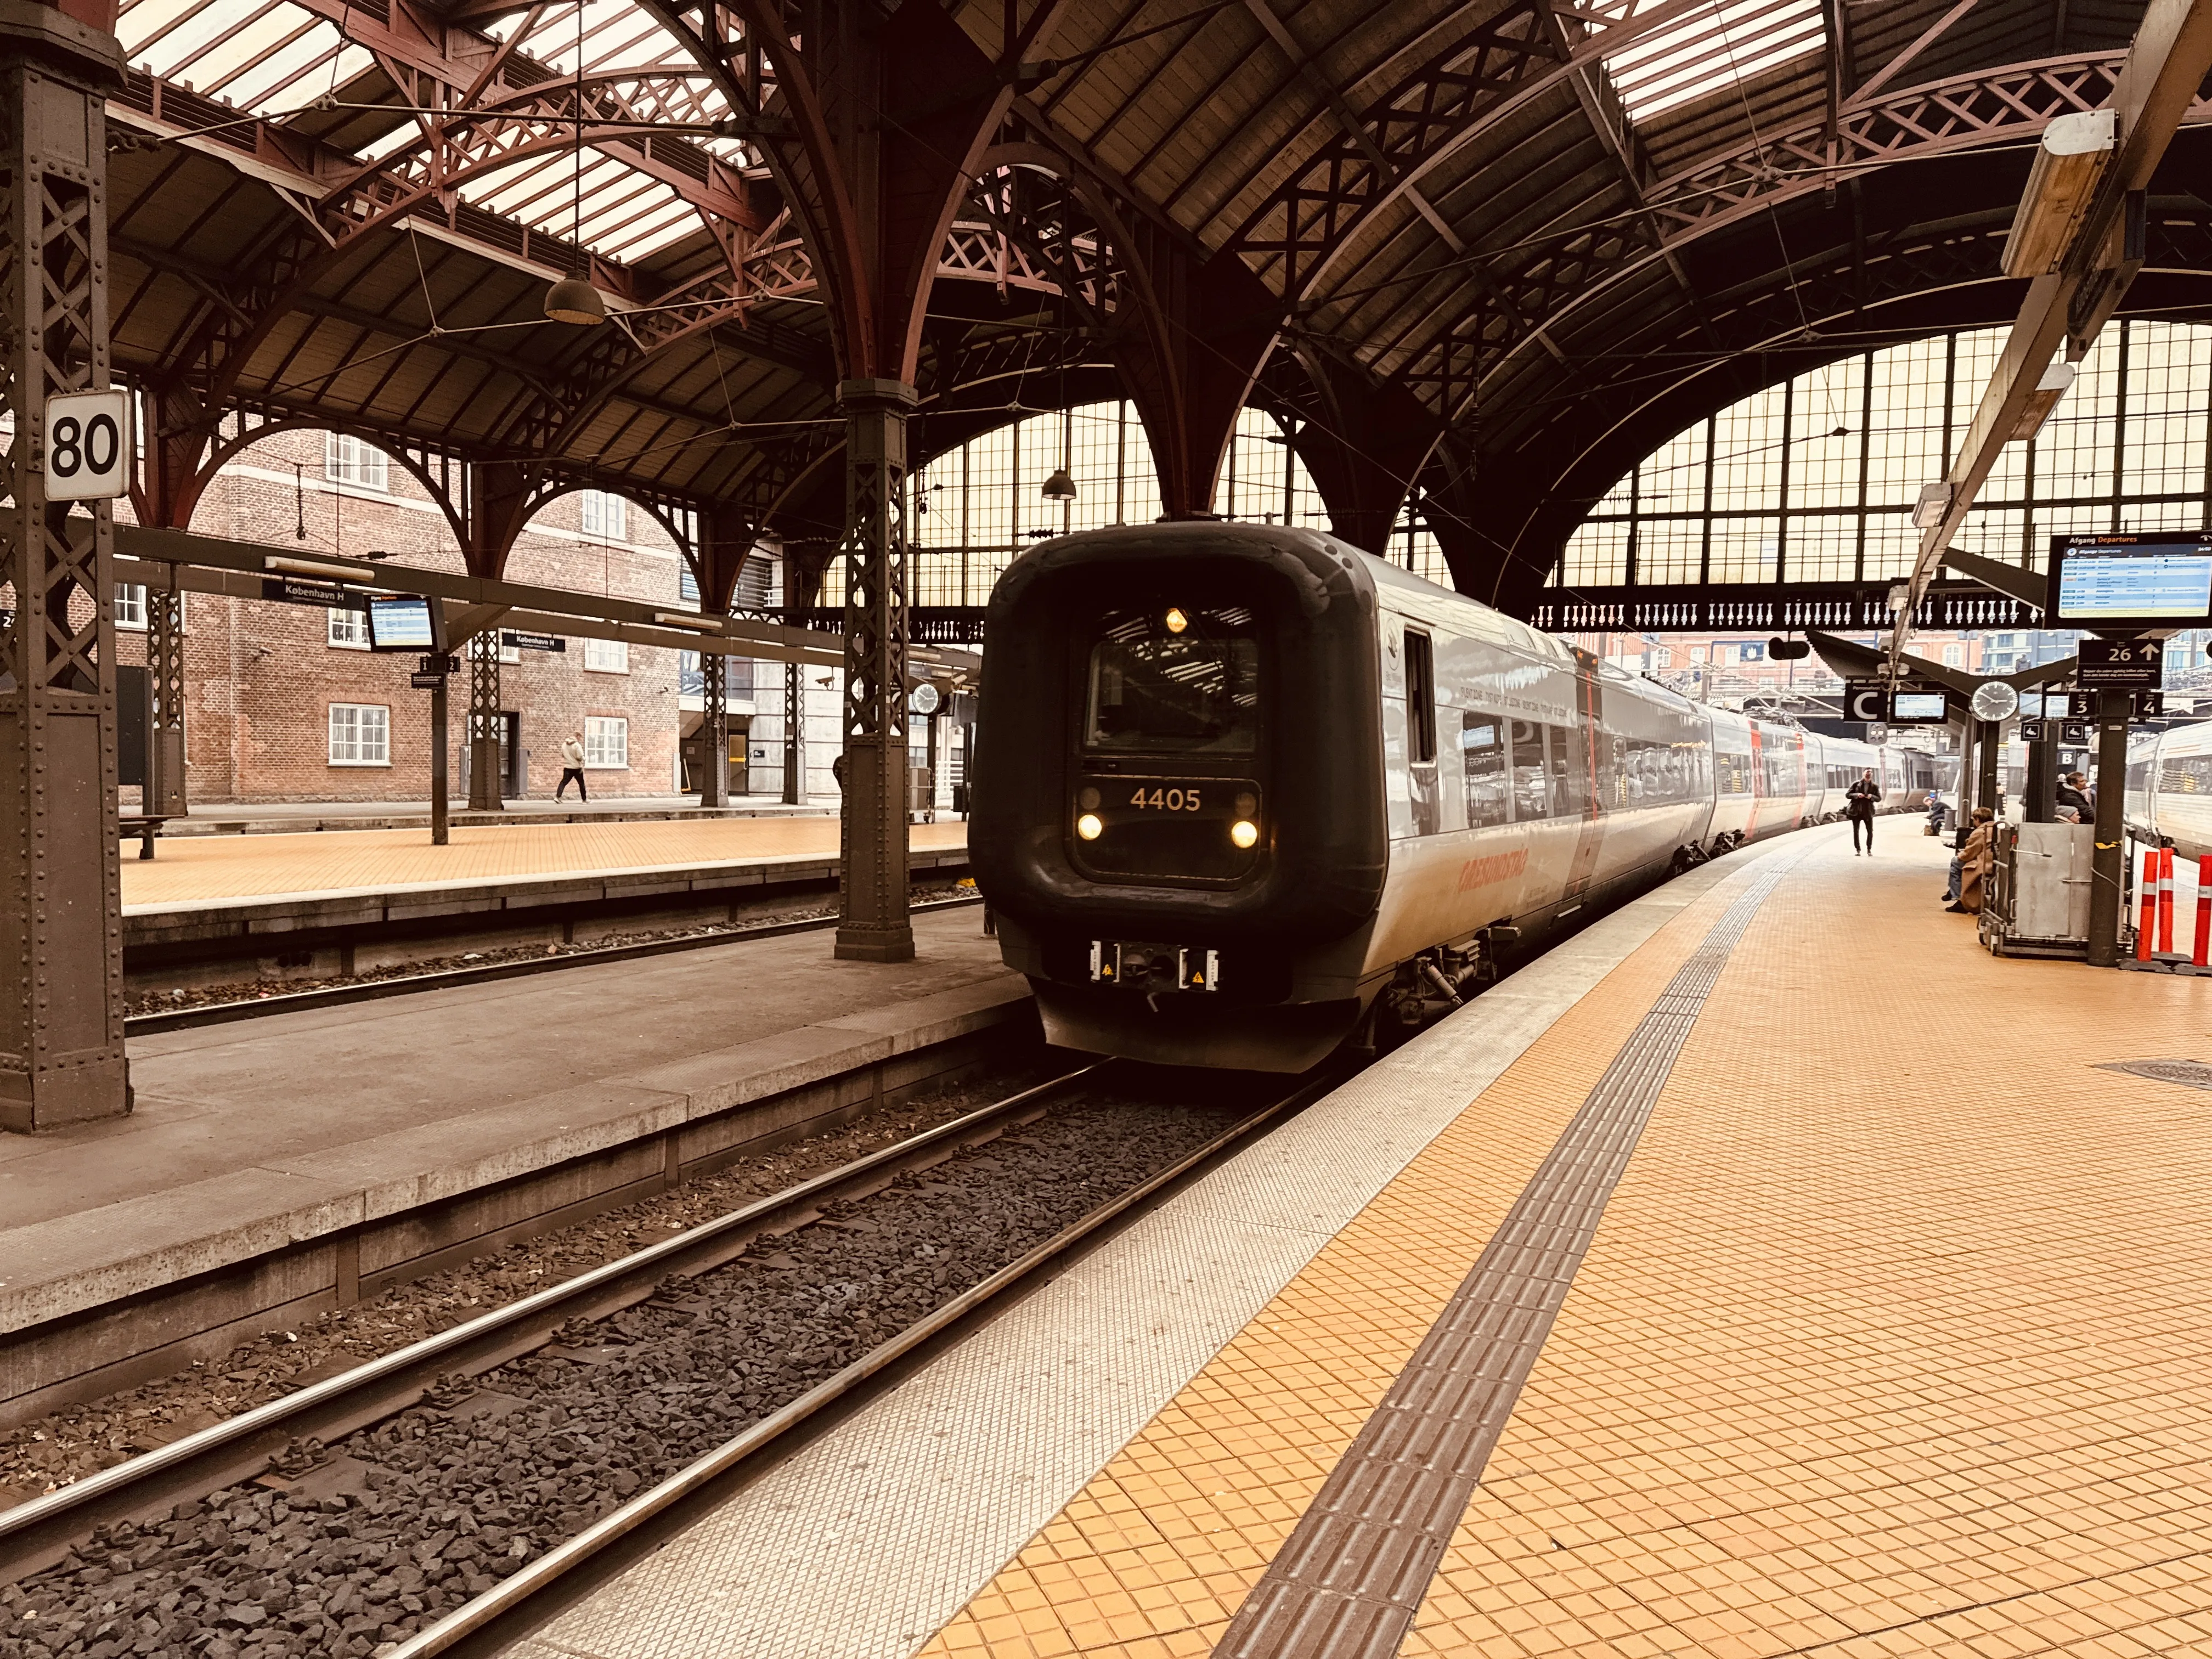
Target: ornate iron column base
<point>485,794</point>
<point>714,731</point>
<point>873,924</point>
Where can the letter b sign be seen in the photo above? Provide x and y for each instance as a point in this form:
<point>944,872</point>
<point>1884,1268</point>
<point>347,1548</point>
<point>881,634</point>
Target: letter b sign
<point>87,445</point>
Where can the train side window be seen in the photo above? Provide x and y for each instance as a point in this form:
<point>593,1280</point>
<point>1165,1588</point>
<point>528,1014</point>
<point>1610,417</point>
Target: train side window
<point>1487,773</point>
<point>1420,698</point>
<point>1532,785</point>
<point>1569,758</point>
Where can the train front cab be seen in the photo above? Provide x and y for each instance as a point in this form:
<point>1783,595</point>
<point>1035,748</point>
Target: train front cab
<point>1179,818</point>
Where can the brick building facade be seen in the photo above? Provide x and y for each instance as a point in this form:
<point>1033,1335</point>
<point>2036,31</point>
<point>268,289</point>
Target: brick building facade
<point>286,703</point>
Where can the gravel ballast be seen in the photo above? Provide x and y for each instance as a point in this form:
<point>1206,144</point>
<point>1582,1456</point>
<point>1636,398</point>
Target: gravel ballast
<point>436,1503</point>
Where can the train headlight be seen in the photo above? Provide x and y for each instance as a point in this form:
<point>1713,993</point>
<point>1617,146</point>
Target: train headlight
<point>1089,826</point>
<point>1244,833</point>
<point>1175,620</point>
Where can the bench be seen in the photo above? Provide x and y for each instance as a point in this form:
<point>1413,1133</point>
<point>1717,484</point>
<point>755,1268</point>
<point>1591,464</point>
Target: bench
<point>145,827</point>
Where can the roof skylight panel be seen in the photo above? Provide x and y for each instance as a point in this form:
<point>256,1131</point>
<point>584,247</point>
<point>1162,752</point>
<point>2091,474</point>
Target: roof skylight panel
<point>269,59</point>
<point>1710,49</point>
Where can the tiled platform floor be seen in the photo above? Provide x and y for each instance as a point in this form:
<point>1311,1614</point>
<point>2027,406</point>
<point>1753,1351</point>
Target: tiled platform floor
<point>1896,1338</point>
<point>190,869</point>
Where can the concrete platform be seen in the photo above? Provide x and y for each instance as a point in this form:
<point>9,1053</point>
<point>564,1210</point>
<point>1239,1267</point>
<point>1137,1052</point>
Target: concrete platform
<point>1767,1271</point>
<point>292,816</point>
<point>303,906</point>
<point>377,861</point>
<point>277,1166</point>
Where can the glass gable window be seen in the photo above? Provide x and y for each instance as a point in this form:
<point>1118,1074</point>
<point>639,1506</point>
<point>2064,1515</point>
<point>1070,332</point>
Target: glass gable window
<point>1814,480</point>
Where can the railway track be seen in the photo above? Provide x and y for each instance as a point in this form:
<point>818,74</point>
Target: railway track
<point>327,1477</point>
<point>338,996</point>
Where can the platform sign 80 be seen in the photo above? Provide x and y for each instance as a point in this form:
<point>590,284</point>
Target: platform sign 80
<point>87,445</point>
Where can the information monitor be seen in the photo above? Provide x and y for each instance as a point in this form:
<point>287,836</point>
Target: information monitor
<point>1918,709</point>
<point>2147,579</point>
<point>401,621</point>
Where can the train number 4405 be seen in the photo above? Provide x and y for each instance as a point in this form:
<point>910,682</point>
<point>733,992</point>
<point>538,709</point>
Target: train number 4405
<point>1164,799</point>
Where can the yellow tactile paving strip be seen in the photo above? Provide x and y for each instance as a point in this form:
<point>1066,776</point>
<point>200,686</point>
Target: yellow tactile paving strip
<point>1893,1341</point>
<point>1896,1337</point>
<point>1152,1556</point>
<point>197,867</point>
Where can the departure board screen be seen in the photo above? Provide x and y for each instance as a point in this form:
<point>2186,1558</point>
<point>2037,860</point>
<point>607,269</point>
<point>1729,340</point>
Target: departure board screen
<point>2104,581</point>
<point>400,621</point>
<point>1918,708</point>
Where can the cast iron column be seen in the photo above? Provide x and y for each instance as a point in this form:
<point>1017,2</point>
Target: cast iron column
<point>2108,855</point>
<point>1988,752</point>
<point>715,730</point>
<point>2042,789</point>
<point>441,832</point>
<point>873,924</point>
<point>61,900</point>
<point>166,793</point>
<point>484,722</point>
<point>794,734</point>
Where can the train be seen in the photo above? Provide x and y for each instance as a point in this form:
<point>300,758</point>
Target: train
<point>2169,788</point>
<point>1245,794</point>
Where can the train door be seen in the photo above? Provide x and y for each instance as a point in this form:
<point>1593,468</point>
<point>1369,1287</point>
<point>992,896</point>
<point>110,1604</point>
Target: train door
<point>1421,732</point>
<point>1587,740</point>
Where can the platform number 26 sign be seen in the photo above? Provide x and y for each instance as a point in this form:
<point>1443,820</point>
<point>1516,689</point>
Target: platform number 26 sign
<point>87,445</point>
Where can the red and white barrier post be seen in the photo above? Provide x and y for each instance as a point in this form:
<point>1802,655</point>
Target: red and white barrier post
<point>2166,901</point>
<point>2146,905</point>
<point>2202,956</point>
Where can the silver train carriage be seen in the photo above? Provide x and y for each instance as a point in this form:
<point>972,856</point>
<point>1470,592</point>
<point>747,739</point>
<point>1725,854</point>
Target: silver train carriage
<point>1242,788</point>
<point>2169,794</point>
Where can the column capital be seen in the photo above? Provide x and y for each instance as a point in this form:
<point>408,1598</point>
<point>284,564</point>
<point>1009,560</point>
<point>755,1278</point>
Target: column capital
<point>77,39</point>
<point>871,397</point>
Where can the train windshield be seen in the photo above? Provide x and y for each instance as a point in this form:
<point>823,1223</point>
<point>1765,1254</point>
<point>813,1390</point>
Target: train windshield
<point>1176,681</point>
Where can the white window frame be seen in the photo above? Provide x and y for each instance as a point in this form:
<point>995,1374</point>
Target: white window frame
<point>1955,656</point>
<point>606,656</point>
<point>345,629</point>
<point>601,513</point>
<point>598,729</point>
<point>357,742</point>
<point>130,606</point>
<point>347,459</point>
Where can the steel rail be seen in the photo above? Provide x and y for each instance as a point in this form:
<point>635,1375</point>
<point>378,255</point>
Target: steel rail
<point>506,1603</point>
<point>376,990</point>
<point>37,1535</point>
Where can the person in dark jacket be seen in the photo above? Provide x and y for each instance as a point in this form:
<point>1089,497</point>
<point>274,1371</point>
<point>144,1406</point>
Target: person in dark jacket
<point>1860,800</point>
<point>2072,793</point>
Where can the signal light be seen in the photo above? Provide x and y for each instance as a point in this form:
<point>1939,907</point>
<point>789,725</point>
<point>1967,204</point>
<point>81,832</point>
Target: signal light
<point>1244,832</point>
<point>1175,620</point>
<point>1089,826</point>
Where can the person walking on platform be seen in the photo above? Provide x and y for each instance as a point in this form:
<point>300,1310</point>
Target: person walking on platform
<point>572,767</point>
<point>1861,796</point>
<point>1976,855</point>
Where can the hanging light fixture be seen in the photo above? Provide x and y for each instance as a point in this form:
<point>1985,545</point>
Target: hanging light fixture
<point>573,299</point>
<point>1060,487</point>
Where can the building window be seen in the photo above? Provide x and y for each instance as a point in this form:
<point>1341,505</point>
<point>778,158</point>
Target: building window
<point>130,605</point>
<point>347,459</point>
<point>1955,656</point>
<point>604,514</point>
<point>606,742</point>
<point>687,585</point>
<point>606,656</point>
<point>349,628</point>
<point>361,734</point>
<point>509,651</point>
